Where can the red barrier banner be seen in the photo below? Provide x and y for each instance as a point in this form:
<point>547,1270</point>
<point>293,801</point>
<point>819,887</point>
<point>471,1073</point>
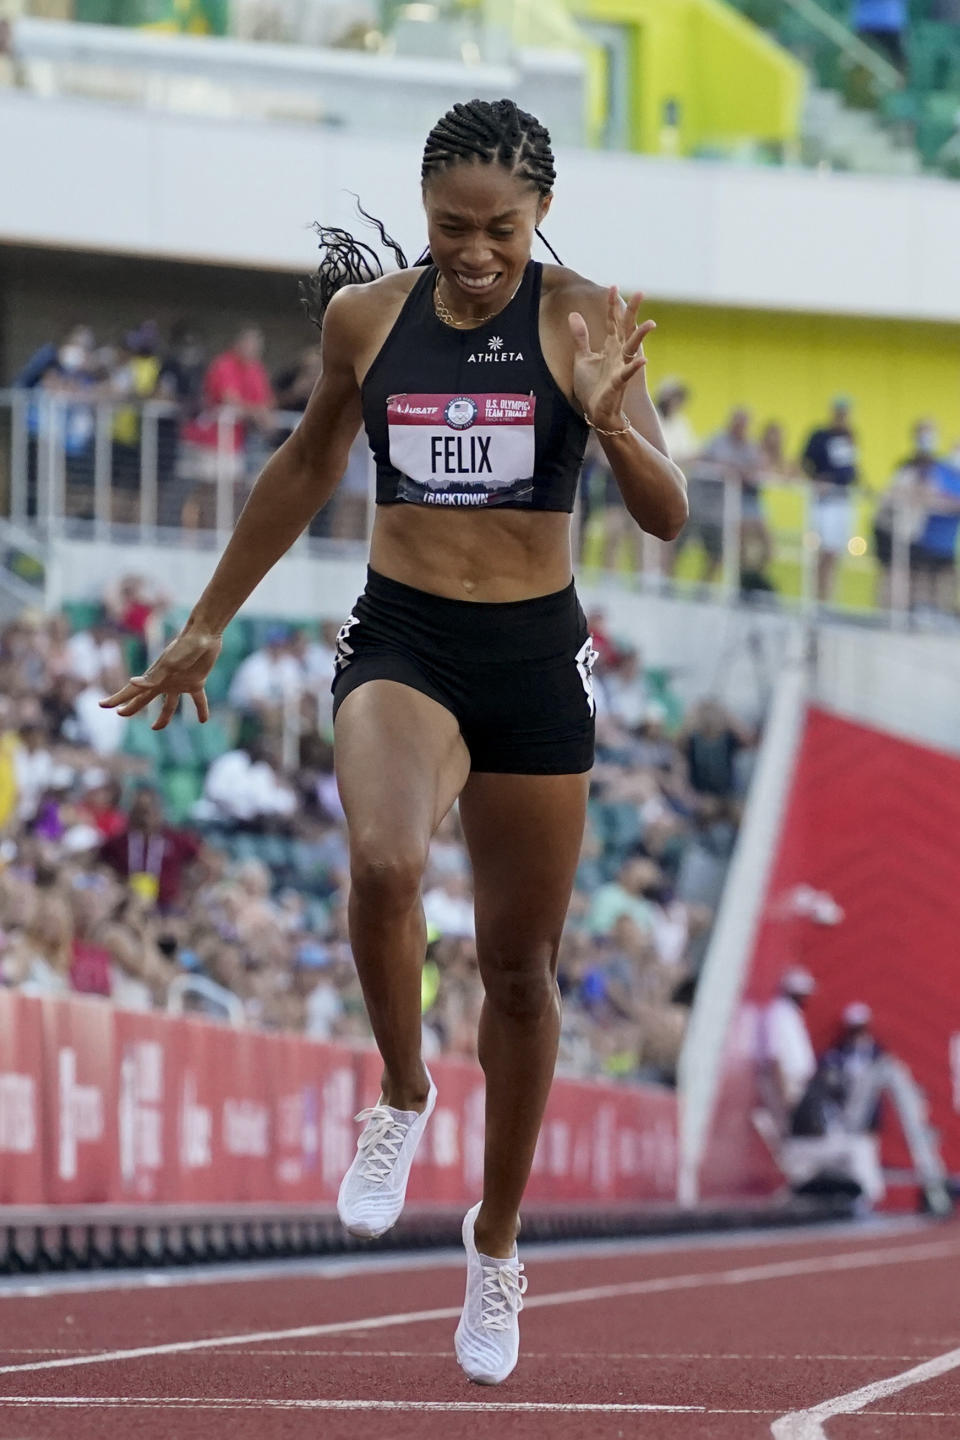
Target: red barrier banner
<point>101,1105</point>
<point>197,1160</point>
<point>21,1100</point>
<point>80,1100</point>
<point>147,1055</point>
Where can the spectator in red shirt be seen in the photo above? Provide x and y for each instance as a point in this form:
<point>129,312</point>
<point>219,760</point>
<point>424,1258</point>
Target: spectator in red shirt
<point>100,806</point>
<point>137,606</point>
<point>236,378</point>
<point>149,854</point>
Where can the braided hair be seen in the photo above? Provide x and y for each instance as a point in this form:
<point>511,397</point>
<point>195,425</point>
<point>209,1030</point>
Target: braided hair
<point>491,132</point>
<point>483,132</point>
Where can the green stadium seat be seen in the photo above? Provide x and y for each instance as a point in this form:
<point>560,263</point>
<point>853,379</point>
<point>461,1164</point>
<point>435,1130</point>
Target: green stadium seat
<point>212,740</point>
<point>933,49</point>
<point>83,613</point>
<point>181,788</point>
<point>619,825</point>
<point>938,122</point>
<point>178,747</point>
<point>218,681</point>
<point>143,742</point>
<point>239,636</point>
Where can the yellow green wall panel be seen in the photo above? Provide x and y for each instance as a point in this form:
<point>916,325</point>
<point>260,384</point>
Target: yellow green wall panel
<point>786,366</point>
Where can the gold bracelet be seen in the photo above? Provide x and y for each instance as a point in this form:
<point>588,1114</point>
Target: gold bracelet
<point>626,429</point>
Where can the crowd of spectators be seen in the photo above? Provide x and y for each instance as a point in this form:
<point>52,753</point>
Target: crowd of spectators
<point>207,456</point>
<point>216,419</point>
<point>101,894</point>
<point>921,505</point>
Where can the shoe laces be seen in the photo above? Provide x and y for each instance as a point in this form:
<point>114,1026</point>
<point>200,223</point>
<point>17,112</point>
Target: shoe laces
<point>379,1142</point>
<point>501,1295</point>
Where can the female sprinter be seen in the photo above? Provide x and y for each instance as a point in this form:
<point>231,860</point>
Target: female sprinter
<point>463,672</point>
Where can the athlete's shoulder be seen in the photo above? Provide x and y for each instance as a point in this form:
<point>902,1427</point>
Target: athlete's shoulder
<point>566,287</point>
<point>356,305</point>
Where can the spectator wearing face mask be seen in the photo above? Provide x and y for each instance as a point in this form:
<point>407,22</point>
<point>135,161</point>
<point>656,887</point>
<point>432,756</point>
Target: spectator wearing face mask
<point>61,374</point>
<point>921,513</point>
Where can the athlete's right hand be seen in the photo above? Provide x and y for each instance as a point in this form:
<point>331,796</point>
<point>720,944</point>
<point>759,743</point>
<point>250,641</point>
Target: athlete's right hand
<point>181,669</point>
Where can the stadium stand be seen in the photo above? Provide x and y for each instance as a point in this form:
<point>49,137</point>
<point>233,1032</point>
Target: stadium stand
<point>918,98</point>
<point>127,864</point>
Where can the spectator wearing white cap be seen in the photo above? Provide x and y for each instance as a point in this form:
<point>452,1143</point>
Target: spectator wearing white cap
<point>852,1059</point>
<point>787,1061</point>
<point>834,1141</point>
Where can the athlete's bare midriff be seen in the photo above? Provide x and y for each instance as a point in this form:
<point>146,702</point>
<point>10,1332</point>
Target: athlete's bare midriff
<point>485,555</point>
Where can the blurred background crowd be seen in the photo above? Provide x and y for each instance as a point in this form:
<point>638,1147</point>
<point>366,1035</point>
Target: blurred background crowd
<point>217,417</point>
<point>206,867</point>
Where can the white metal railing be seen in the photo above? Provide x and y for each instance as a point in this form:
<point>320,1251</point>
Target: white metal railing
<point>69,476</point>
<point>199,987</point>
<point>721,525</point>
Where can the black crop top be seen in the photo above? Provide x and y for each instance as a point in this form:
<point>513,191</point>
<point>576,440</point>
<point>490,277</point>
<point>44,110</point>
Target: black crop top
<point>471,417</point>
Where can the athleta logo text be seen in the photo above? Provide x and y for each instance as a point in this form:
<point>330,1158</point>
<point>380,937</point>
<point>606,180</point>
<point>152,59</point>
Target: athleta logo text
<point>493,357</point>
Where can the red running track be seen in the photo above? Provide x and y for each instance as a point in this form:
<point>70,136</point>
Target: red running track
<point>719,1341</point>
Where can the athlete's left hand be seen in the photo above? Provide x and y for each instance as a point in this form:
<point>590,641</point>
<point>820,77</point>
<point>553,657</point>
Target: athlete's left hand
<point>600,377</point>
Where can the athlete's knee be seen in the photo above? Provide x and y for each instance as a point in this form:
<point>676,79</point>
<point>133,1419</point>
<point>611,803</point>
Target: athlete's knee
<point>386,874</point>
<point>521,982</point>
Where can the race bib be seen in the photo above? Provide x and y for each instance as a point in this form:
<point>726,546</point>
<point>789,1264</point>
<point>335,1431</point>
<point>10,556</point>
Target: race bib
<point>462,450</point>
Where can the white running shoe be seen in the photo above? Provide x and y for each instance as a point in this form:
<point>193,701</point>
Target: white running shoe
<point>487,1341</point>
<point>374,1188</point>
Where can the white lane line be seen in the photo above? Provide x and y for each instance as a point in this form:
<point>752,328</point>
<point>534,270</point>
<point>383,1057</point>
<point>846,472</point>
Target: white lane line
<point>807,1424</point>
<point>855,1260</point>
<point>192,1402</point>
<point>189,1402</point>
<point>582,1355</point>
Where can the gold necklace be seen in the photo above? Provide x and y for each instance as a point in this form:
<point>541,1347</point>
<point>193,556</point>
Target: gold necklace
<point>448,318</point>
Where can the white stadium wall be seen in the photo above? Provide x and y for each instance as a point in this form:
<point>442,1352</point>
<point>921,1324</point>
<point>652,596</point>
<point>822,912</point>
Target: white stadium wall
<point>90,175</point>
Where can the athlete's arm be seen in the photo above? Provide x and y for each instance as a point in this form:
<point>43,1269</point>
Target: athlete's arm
<point>292,486</point>
<point>296,481</point>
<point>609,385</point>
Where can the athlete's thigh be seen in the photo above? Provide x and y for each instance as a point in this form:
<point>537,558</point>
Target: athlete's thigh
<point>524,834</point>
<point>400,762</point>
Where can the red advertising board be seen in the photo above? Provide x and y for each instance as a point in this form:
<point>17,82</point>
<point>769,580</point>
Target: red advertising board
<point>21,1100</point>
<point>100,1105</point>
<point>147,1053</point>
<point>79,1101</point>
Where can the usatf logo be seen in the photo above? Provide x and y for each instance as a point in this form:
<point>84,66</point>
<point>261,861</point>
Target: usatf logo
<point>495,343</point>
<point>461,412</point>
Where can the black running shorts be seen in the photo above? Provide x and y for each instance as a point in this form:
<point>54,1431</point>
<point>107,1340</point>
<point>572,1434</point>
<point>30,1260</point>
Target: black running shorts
<point>517,675</point>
